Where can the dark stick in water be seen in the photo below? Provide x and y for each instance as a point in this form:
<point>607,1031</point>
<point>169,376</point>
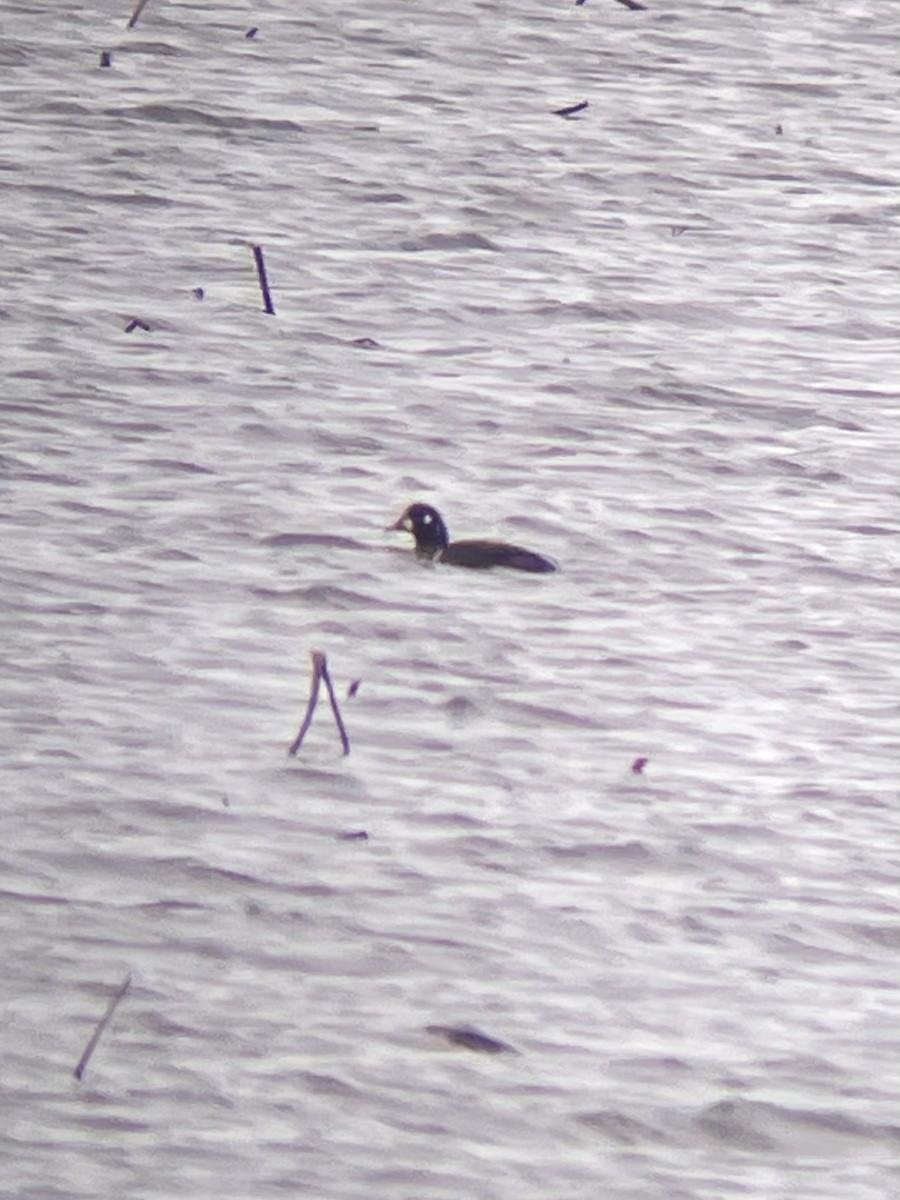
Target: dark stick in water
<point>338,720</point>
<point>135,16</point>
<point>320,674</point>
<point>571,110</point>
<point>314,684</point>
<point>263,280</point>
<point>101,1025</point>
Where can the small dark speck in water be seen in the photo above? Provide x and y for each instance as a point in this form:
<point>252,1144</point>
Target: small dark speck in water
<point>353,835</point>
<point>353,688</point>
<point>637,767</point>
<point>470,1039</point>
<point>251,33</point>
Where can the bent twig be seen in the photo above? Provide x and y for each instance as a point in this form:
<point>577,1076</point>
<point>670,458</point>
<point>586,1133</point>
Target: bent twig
<point>320,674</point>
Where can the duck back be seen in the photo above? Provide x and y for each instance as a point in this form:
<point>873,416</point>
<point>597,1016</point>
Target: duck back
<point>482,554</point>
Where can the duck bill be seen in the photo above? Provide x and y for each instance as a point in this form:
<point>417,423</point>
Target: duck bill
<point>400,523</point>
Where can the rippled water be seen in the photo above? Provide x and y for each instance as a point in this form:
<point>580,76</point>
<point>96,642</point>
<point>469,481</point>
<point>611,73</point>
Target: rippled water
<point>657,342</point>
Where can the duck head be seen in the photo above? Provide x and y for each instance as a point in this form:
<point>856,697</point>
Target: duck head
<point>427,526</point>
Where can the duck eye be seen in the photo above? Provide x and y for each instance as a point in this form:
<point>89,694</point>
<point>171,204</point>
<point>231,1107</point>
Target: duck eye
<point>427,519</point>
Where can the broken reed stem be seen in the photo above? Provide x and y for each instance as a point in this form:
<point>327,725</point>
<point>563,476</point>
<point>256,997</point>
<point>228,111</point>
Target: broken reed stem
<point>101,1025</point>
<point>311,703</point>
<point>136,15</point>
<point>338,720</point>
<point>263,279</point>
<point>320,674</point>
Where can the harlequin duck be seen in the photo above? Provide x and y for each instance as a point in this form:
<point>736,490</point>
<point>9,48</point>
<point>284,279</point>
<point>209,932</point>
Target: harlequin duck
<point>432,541</point>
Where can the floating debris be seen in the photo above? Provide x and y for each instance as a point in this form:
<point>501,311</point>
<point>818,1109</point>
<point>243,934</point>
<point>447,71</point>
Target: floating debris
<point>101,1025</point>
<point>470,1039</point>
<point>263,279</point>
<point>319,675</point>
<point>571,110</point>
<point>135,16</point>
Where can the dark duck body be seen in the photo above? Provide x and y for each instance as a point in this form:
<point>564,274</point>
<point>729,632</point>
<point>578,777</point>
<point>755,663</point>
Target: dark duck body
<point>433,542</point>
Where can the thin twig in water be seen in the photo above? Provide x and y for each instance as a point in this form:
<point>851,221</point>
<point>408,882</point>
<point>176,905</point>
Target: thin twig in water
<point>263,280</point>
<point>310,704</point>
<point>101,1025</point>
<point>338,719</point>
<point>320,673</point>
<point>136,15</point>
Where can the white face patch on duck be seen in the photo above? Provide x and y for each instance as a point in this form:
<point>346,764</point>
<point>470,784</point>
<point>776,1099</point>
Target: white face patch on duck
<point>407,523</point>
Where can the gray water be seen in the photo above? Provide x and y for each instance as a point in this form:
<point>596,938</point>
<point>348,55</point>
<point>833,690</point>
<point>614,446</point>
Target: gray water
<point>657,342</point>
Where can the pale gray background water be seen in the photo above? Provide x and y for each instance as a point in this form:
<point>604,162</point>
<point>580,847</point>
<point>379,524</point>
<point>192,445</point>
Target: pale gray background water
<point>657,343</point>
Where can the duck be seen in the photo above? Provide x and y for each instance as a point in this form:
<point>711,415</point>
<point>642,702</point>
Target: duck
<point>433,542</point>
